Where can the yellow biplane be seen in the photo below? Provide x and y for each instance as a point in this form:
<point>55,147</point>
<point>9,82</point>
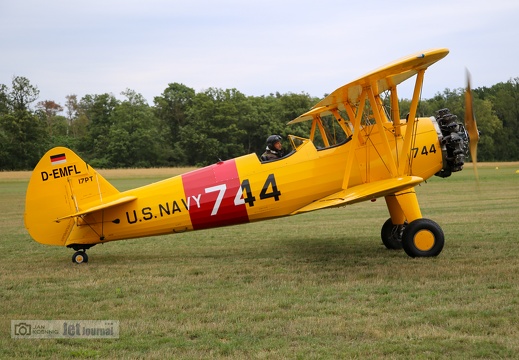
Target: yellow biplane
<point>68,203</point>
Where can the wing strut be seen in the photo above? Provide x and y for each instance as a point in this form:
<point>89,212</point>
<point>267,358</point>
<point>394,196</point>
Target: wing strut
<point>376,107</point>
<point>355,140</point>
<point>410,133</point>
<point>395,111</point>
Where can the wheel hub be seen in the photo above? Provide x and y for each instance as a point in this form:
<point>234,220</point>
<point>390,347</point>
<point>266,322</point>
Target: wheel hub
<point>424,240</point>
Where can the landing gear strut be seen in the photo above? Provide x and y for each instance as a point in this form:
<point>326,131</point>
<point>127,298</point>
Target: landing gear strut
<point>419,237</point>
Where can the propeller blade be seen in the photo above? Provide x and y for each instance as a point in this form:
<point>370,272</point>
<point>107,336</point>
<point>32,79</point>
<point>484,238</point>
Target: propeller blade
<point>471,126</point>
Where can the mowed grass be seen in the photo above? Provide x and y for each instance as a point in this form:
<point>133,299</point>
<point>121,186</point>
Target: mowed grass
<point>317,285</point>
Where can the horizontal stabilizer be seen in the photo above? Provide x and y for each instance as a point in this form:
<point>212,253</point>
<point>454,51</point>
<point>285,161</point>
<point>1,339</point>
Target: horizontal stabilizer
<point>362,192</point>
<point>99,207</point>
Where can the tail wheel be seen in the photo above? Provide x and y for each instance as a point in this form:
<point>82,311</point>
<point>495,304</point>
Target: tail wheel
<point>392,235</point>
<point>423,238</point>
<point>80,257</point>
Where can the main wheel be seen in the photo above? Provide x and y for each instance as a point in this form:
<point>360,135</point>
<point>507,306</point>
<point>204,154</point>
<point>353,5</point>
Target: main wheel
<point>392,235</point>
<point>423,238</point>
<point>79,257</point>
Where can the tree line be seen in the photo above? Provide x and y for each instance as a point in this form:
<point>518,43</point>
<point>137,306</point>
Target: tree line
<point>188,128</point>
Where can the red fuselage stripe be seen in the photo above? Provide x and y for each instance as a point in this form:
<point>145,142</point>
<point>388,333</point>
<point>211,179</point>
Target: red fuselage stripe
<point>211,192</point>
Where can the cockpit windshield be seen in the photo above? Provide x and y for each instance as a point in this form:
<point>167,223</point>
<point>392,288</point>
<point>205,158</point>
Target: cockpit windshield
<point>296,142</point>
<point>326,131</point>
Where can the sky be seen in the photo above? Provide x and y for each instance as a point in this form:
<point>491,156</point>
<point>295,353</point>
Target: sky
<point>261,47</point>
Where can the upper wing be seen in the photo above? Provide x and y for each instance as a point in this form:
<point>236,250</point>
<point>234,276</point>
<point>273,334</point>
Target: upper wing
<point>380,80</point>
<point>99,207</point>
<point>362,192</point>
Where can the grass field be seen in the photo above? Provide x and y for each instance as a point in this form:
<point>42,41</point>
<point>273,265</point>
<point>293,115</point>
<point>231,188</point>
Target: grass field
<point>318,285</point>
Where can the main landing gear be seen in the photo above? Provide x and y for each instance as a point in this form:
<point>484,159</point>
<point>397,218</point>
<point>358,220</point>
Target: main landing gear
<point>420,238</point>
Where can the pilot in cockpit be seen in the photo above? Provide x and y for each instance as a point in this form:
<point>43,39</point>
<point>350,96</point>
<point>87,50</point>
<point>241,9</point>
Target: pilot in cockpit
<point>274,148</point>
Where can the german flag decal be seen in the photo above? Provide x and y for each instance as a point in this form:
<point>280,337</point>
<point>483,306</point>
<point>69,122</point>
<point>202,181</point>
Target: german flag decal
<point>58,159</point>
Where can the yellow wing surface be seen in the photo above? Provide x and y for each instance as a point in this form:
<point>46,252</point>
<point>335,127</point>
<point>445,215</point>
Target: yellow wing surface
<point>381,79</point>
<point>362,192</point>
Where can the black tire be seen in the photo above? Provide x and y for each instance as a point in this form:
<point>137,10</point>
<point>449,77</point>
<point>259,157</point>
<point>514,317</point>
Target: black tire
<point>392,235</point>
<point>79,257</point>
<point>423,238</point>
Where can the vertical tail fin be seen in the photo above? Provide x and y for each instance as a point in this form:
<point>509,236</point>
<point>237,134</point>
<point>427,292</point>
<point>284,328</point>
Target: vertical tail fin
<point>60,185</point>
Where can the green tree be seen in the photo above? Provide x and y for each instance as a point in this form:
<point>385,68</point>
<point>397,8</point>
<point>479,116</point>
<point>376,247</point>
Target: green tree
<point>134,139</point>
<point>505,102</point>
<point>199,149</point>
<point>291,106</point>
<point>22,133</point>
<point>4,99</point>
<point>489,126</point>
<point>23,140</point>
<point>97,110</point>
<point>48,110</point>
<point>213,131</point>
<point>260,122</point>
<point>171,108</point>
<point>22,94</point>
<point>188,128</point>
<point>77,128</point>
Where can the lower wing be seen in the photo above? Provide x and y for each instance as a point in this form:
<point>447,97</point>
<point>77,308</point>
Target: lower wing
<point>362,192</point>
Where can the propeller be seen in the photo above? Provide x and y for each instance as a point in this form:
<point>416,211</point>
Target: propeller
<point>471,126</point>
